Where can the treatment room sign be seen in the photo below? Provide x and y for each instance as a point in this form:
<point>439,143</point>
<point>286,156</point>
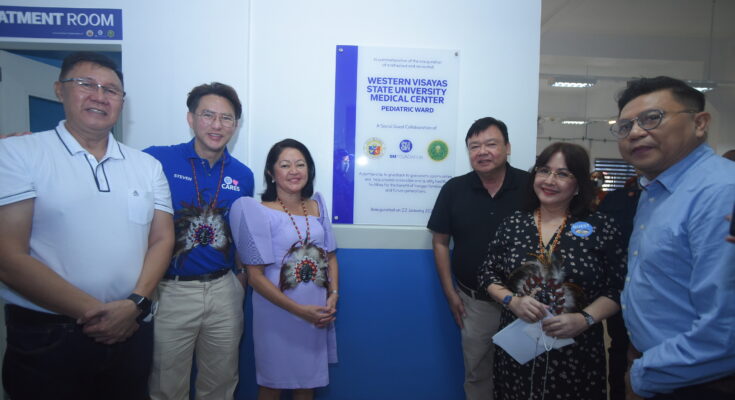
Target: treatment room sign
<point>395,121</point>
<point>61,23</point>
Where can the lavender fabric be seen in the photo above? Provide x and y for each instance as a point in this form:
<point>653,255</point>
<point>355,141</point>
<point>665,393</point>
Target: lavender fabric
<point>290,353</point>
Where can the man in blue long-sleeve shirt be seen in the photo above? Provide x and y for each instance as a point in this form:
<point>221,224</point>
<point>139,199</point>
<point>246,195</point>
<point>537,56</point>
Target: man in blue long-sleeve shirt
<point>679,298</point>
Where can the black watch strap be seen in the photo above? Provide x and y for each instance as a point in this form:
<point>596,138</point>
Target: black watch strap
<point>588,318</point>
<point>143,303</point>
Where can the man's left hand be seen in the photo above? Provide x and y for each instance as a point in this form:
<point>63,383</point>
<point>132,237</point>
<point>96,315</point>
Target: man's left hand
<point>112,322</point>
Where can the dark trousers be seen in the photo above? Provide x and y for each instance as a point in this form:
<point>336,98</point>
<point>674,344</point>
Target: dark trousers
<point>49,357</point>
<point>699,394</point>
<point>617,356</point>
<point>721,389</point>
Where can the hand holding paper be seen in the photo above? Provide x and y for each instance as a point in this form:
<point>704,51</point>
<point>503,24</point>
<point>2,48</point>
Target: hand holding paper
<point>524,341</point>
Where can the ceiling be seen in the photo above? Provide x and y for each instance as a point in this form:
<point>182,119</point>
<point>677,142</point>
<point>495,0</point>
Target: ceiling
<point>615,40</point>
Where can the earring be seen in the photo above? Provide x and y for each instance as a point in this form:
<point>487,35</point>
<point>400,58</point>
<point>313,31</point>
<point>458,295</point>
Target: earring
<point>273,180</point>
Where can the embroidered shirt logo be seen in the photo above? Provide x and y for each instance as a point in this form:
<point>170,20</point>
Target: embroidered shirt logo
<point>184,177</point>
<point>230,184</point>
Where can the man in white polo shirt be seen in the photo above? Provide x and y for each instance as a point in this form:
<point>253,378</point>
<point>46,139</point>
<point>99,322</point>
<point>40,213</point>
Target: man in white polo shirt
<point>86,234</point>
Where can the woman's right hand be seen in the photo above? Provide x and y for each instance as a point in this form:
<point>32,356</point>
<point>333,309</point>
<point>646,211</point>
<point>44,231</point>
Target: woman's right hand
<point>527,308</point>
<point>320,316</point>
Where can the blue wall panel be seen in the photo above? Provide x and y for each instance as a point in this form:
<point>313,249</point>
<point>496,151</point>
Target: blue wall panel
<point>396,338</point>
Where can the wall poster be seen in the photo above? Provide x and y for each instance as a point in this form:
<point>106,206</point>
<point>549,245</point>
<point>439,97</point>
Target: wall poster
<point>395,121</point>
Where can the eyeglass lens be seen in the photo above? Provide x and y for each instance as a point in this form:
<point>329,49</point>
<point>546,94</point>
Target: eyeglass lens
<point>226,120</point>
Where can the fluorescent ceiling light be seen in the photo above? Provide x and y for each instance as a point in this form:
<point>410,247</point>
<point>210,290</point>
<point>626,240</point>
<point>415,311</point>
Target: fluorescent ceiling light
<point>572,82</point>
<point>573,122</point>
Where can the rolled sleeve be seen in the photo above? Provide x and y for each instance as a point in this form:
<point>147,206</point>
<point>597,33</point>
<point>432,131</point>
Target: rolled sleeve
<point>161,191</point>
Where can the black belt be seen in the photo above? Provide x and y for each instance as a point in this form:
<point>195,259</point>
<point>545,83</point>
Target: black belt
<point>22,315</point>
<point>475,294</point>
<point>201,278</point>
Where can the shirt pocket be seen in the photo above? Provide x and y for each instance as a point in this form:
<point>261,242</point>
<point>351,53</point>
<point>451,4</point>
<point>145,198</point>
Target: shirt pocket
<point>140,206</point>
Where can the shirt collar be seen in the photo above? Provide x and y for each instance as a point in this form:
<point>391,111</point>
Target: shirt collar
<point>670,178</point>
<point>190,152</point>
<point>73,146</point>
<point>509,181</point>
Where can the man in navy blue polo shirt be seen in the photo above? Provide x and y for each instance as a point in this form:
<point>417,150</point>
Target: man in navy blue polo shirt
<point>200,298</point>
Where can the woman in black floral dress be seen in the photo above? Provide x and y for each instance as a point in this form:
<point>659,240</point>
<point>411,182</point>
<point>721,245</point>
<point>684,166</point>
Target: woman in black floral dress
<point>577,278</point>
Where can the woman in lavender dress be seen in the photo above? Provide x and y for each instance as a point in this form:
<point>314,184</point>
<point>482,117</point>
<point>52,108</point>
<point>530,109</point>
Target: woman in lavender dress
<point>287,245</point>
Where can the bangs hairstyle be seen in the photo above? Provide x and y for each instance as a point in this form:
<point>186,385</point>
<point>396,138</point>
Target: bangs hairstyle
<point>270,193</point>
<point>578,163</point>
<point>484,123</point>
<point>91,57</point>
<point>682,92</point>
<point>217,89</point>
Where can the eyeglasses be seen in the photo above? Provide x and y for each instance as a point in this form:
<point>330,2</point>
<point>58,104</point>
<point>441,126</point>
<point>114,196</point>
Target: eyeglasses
<point>89,86</point>
<point>647,120</point>
<point>227,120</point>
<point>562,175</point>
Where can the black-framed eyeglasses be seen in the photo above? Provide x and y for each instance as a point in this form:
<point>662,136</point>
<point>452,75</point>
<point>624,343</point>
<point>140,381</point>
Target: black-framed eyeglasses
<point>647,120</point>
<point>227,120</point>
<point>90,86</point>
<point>561,174</point>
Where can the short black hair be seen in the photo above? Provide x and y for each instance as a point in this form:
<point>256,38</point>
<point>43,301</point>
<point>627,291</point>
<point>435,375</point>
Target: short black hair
<point>91,57</point>
<point>215,88</point>
<point>578,163</point>
<point>682,92</point>
<point>270,193</point>
<point>482,124</point>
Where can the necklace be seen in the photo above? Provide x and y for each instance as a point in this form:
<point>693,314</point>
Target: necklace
<point>304,262</point>
<point>545,255</point>
<point>196,183</point>
<point>306,215</point>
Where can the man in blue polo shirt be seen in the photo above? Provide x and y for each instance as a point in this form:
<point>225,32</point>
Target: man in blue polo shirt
<point>679,296</point>
<point>200,298</point>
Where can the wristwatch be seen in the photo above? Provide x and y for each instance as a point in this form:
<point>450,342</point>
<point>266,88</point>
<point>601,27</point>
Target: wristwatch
<point>143,303</point>
<point>590,321</point>
<point>507,299</point>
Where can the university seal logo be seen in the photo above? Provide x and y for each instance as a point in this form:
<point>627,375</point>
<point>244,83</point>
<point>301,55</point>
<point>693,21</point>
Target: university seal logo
<point>438,150</point>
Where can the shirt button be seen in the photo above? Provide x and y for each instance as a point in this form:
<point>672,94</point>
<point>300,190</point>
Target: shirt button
<point>635,253</point>
<point>652,199</point>
<point>623,306</point>
<point>627,279</point>
<point>643,227</point>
